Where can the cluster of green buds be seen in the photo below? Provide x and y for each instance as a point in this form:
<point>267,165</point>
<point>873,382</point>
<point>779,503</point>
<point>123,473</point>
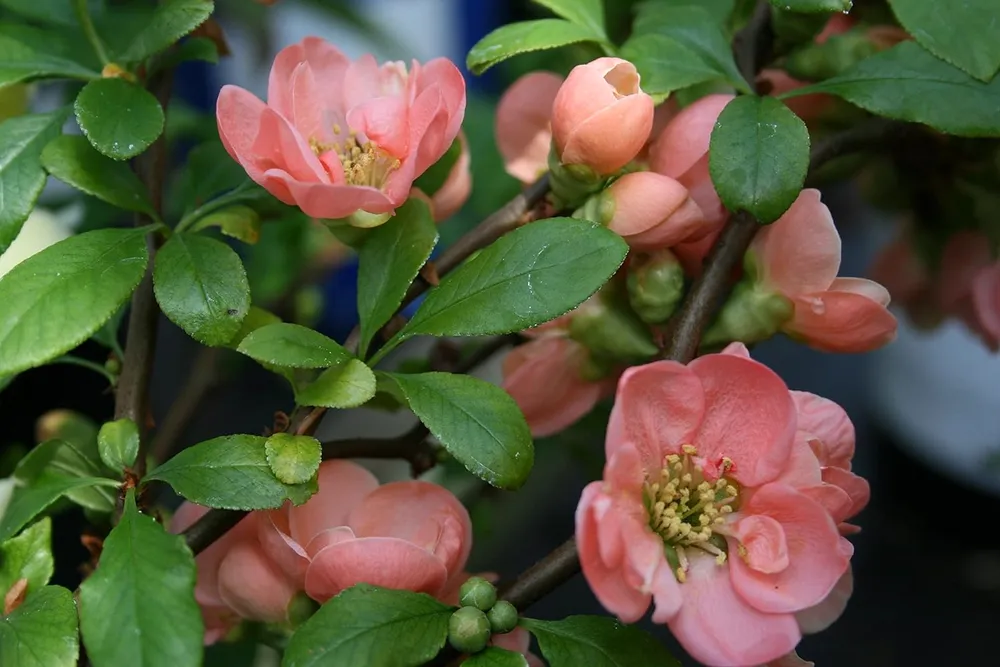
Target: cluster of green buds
<point>479,617</point>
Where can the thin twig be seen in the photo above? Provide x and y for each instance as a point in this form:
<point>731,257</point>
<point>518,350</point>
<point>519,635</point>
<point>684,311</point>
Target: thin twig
<point>411,446</point>
<point>202,378</point>
<point>752,46</point>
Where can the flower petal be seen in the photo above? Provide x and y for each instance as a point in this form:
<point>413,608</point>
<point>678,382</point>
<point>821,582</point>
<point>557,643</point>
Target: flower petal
<point>523,115</point>
<point>322,200</point>
<point>276,541</point>
<point>828,427</point>
<point>841,322</point>
<point>327,65</point>
<point>684,141</point>
<point>342,485</point>
<point>986,304</point>
<point>856,488</point>
<point>207,587</point>
<point>864,287</point>
<point>964,255</point>
<point>239,114</point>
<point>251,586</point>
<point>819,618</point>
<point>764,547</point>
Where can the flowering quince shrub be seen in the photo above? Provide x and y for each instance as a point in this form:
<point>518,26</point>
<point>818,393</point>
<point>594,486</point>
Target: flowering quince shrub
<point>669,218</point>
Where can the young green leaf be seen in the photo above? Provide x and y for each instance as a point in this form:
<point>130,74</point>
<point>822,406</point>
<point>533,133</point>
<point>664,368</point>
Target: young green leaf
<point>138,607</point>
<point>257,318</point>
<point>956,32</point>
<point>529,276</point>
<point>586,13</point>
<point>238,221</point>
<point>477,422</point>
<point>41,632</point>
<point>496,657</point>
<point>21,60</point>
<point>59,12</point>
<point>121,119</point>
<point>230,472</point>
<point>597,641</point>
<point>118,444</point>
<point>58,298</point>
<point>666,64</point>
<point>72,159</point>
<point>202,287</point>
<point>907,83</point>
<point>521,37</point>
<point>28,556</point>
<point>208,172</point>
<point>293,346</point>
<point>758,157</point>
<point>69,457</point>
<point>368,625</point>
<point>294,459</point>
<point>22,178</point>
<point>29,501</point>
<point>389,260</point>
<point>813,6</point>
<point>347,385</point>
<point>170,21</point>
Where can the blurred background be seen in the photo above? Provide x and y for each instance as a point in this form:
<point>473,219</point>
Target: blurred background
<point>927,409</point>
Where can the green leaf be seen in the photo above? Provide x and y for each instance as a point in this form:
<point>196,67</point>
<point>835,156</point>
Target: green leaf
<point>586,13</point>
<point>666,64</point>
<point>41,632</point>
<point>496,657</point>
<point>22,178</point>
<point>121,119</point>
<point>209,171</point>
<point>529,276</point>
<point>230,472</point>
<point>389,260</point>
<point>293,346</point>
<point>908,83</point>
<point>138,606</point>
<point>522,37</point>
<point>28,556</point>
<point>58,298</point>
<point>202,287</point>
<point>294,459</point>
<point>256,318</point>
<point>118,444</point>
<point>696,29</point>
<point>72,452</point>
<point>597,641</point>
<point>170,21</point>
<point>29,501</point>
<point>347,385</point>
<point>477,422</point>
<point>813,6</point>
<point>718,9</point>
<point>239,222</point>
<point>371,626</point>
<point>21,60</point>
<point>961,33</point>
<point>47,11</point>
<point>758,157</point>
<point>72,159</point>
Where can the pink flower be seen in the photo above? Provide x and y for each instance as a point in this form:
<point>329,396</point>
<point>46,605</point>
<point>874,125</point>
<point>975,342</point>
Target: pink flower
<point>703,511</point>
<point>798,256</point>
<point>651,211</point>
<point>337,137</point>
<point>600,117</point>
<point>523,124</point>
<point>809,108</point>
<point>517,640</point>
<point>986,305</point>
<point>456,189</point>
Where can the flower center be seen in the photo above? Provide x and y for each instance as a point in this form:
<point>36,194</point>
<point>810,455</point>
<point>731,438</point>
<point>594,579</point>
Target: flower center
<point>685,509</point>
<point>364,163</point>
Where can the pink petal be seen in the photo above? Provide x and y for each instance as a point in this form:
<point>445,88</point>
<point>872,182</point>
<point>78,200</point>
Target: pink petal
<point>832,498</point>
<point>624,471</point>
<point>749,417</point>
<point>658,408</point>
<point>699,184</point>
<point>425,514</point>
<point>219,621</point>
<point>684,141</point>
<point>447,201</point>
<point>361,82</point>
<point>281,146</point>
<point>963,256</point>
<point>329,537</point>
<point>717,627</point>
<point>828,428</point>
<point>384,121</point>
<point>326,63</point>
<point>738,349</point>
<point>816,560</point>
<point>820,617</point>
<point>900,269</point>
<point>251,586</point>
<point>799,252</point>
<point>441,73</point>
<point>428,118</point>
<point>803,469</point>
<point>790,660</point>
<point>307,113</point>
<point>207,587</point>
<point>841,322</point>
<point>321,200</point>
<point>277,543</point>
<point>380,561</point>
<point>239,114</point>
<point>986,303</point>
<point>522,124</point>
<point>764,547</point>
<point>342,485</point>
<point>864,287</point>
<point>856,488</point>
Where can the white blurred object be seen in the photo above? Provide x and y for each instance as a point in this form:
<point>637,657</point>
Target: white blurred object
<point>41,229</point>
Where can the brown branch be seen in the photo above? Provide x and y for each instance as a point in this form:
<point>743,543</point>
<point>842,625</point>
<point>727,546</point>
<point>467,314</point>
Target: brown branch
<point>753,45</point>
<point>411,446</point>
<point>210,527</point>
<point>203,377</point>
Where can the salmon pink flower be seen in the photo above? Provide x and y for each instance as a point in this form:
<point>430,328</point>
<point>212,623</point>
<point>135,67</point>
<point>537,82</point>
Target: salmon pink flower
<point>524,124</point>
<point>455,191</point>
<point>651,211</point>
<point>342,139</point>
<point>706,513</point>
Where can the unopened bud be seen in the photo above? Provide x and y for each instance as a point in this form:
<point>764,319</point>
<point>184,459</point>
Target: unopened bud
<point>749,316</point>
<point>608,328</point>
<point>571,185</point>
<point>113,365</point>
<point>66,425</point>
<point>652,211</point>
<point>468,630</point>
<point>502,617</point>
<point>115,71</point>
<point>655,286</point>
<point>478,593</point>
<point>300,609</point>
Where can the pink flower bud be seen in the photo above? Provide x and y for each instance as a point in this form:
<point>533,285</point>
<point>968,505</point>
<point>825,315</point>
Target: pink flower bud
<point>601,118</point>
<point>456,189</point>
<point>652,211</point>
<point>523,124</point>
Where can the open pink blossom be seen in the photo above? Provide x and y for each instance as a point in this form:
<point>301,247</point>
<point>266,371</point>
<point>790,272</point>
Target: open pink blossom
<point>524,124</point>
<point>652,211</point>
<point>338,137</point>
<point>703,511</point>
<point>798,257</point>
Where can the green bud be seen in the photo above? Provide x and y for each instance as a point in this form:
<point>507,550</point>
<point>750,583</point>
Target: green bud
<point>502,617</point>
<point>478,593</point>
<point>468,630</point>
<point>608,328</point>
<point>655,286</point>
<point>572,184</point>
<point>599,208</point>
<point>113,365</point>
<point>118,444</point>
<point>300,609</point>
<point>749,316</point>
<point>816,62</point>
<point>75,428</point>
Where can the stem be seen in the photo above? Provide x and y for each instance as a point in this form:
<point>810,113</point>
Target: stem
<point>82,13</point>
<point>753,45</point>
<point>203,377</point>
<point>213,525</point>
<point>235,195</point>
<point>411,446</point>
<point>869,134</point>
<point>86,363</point>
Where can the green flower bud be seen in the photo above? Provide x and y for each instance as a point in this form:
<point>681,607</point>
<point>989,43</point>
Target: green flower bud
<point>599,208</point>
<point>300,609</point>
<point>655,286</point>
<point>608,328</point>
<point>572,184</point>
<point>113,365</point>
<point>478,593</point>
<point>749,316</point>
<point>503,617</point>
<point>468,630</point>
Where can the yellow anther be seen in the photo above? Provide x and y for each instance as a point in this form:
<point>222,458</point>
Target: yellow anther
<point>681,575</point>
<point>690,450</point>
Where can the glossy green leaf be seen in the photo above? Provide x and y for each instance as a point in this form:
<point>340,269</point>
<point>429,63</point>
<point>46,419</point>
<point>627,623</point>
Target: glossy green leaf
<point>586,13</point>
<point>758,157</point>
<point>597,641</point>
<point>239,222</point>
<point>294,459</point>
<point>230,472</point>
<point>59,297</point>
<point>138,607</point>
<point>22,178</point>
<point>813,6</point>
<point>74,453</point>
<point>965,34</point>
<point>347,385</point>
<point>22,59</point>
<point>529,276</point>
<point>209,171</point>
<point>28,556</point>
<point>202,287</point>
<point>496,657</point>
<point>118,444</point>
<point>293,346</point>
<point>371,626</point>
<point>121,119</point>
<point>257,318</point>
<point>41,632</point>
<point>477,422</point>
<point>171,20</point>
<point>521,37</point>
<point>59,12</point>
<point>666,64</point>
<point>907,83</point>
<point>72,159</point>
<point>30,501</point>
<point>389,260</point>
